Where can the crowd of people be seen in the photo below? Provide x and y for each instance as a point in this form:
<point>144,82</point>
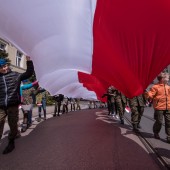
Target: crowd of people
<point>16,90</point>
<point>62,102</point>
<point>158,95</point>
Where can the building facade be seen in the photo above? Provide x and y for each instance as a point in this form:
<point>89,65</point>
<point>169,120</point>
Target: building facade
<point>18,59</point>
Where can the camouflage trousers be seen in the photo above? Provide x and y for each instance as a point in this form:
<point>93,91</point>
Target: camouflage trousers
<point>111,107</point>
<point>158,116</point>
<point>120,108</point>
<point>136,115</point>
<point>11,113</point>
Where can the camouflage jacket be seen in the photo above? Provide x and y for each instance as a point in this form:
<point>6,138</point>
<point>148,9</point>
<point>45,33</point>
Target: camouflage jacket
<point>26,96</point>
<point>120,97</point>
<point>137,101</point>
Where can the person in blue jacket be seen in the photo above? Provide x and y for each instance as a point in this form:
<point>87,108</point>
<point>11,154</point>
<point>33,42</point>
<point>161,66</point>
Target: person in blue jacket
<point>27,103</point>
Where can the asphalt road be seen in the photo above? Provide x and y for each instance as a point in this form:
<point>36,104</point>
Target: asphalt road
<point>83,140</point>
<point>161,147</point>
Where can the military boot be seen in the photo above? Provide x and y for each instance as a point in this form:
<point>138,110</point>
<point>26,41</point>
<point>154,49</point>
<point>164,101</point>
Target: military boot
<point>122,121</point>
<point>156,136</point>
<point>138,126</point>
<point>135,129</point>
<point>10,147</point>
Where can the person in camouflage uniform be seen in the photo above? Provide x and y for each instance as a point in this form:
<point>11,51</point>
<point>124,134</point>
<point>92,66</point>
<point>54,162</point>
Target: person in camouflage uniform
<point>137,105</point>
<point>120,101</point>
<point>110,100</point>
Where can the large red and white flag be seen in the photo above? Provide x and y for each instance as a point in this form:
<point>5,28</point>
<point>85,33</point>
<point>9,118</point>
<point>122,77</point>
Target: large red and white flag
<point>80,47</point>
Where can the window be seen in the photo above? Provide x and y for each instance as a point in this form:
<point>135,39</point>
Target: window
<point>18,59</point>
<point>2,46</point>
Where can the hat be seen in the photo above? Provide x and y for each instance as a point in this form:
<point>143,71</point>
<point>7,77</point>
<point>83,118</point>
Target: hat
<point>2,62</point>
<point>162,75</point>
<point>24,81</point>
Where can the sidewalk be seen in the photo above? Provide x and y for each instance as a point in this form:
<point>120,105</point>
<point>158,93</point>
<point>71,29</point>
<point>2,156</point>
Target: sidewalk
<point>50,111</point>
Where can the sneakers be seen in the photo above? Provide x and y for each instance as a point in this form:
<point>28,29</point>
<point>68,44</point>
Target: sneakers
<point>113,115</point>
<point>38,119</point>
<point>54,115</point>
<point>117,117</point>
<point>10,147</point>
<point>156,136</point>
<point>24,128</point>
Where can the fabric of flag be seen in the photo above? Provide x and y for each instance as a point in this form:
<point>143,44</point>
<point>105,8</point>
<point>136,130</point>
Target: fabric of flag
<point>80,47</point>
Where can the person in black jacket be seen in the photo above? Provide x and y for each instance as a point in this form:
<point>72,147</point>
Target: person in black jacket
<point>10,98</point>
<point>58,99</point>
